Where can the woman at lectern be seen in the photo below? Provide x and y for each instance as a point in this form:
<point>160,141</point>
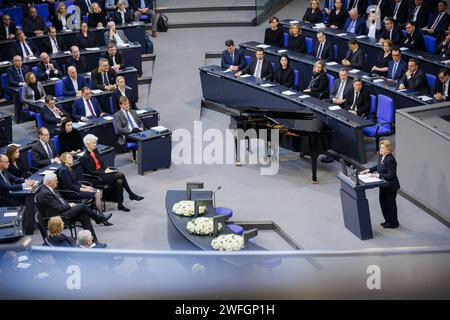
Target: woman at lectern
<point>386,169</point>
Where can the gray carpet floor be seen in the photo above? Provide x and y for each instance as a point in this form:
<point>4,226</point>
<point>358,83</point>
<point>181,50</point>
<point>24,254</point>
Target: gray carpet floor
<point>311,214</point>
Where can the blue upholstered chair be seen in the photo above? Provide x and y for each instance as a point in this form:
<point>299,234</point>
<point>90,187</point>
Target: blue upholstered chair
<point>431,81</point>
<point>296,79</point>
<point>385,120</point>
<point>430,43</point>
<point>309,45</point>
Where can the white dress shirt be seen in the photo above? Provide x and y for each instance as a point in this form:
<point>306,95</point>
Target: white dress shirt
<point>132,120</point>
<point>75,84</point>
<point>87,110</point>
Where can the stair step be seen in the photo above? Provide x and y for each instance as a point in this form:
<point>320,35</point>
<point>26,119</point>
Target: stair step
<point>211,19</point>
<point>204,5</point>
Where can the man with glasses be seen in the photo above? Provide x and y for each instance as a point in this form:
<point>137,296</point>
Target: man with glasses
<point>414,38</point>
<point>397,67</point>
<point>7,28</point>
<point>104,77</point>
<point>43,151</point>
<point>441,89</point>
<point>86,107</point>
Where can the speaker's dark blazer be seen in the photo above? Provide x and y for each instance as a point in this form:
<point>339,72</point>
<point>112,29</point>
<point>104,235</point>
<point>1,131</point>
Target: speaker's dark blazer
<point>388,171</point>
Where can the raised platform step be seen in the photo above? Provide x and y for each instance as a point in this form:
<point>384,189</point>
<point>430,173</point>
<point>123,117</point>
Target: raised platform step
<point>167,6</point>
<point>211,19</point>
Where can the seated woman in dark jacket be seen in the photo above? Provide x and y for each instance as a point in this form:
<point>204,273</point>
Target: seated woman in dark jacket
<point>97,18</point>
<point>318,86</point>
<point>313,14</point>
<point>68,181</point>
<point>69,137</point>
<point>284,74</point>
<point>297,40</point>
<point>92,164</point>
<point>85,38</point>
<point>56,237</point>
<point>17,165</point>
<point>274,35</point>
<point>338,15</point>
<point>123,91</point>
<point>381,66</point>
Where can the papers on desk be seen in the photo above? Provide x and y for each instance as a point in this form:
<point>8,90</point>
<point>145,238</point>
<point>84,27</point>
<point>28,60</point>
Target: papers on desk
<point>109,118</point>
<point>360,37</point>
<point>77,125</point>
<point>267,85</point>
<point>125,45</point>
<point>79,154</point>
<point>294,21</point>
<point>334,108</point>
<point>332,63</point>
<point>43,173</point>
<point>88,73</point>
<point>54,78</point>
<point>141,111</point>
<point>93,49</point>
<point>67,52</point>
<point>288,93</point>
<point>341,34</point>
<point>11,214</point>
<point>245,75</point>
<point>403,49</point>
<point>378,80</point>
<point>282,51</point>
<point>32,58</point>
<point>228,70</point>
<point>159,129</point>
<point>354,71</point>
<point>264,46</point>
<point>41,275</point>
<point>22,258</point>
<point>320,26</point>
<point>4,63</point>
<point>445,61</point>
<point>368,179</point>
<point>23,265</point>
<point>53,168</point>
<point>304,96</point>
<point>96,91</point>
<point>425,98</point>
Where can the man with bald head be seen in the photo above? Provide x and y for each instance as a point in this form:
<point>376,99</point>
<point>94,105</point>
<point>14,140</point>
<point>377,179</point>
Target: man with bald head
<point>73,83</point>
<point>77,60</point>
<point>47,68</point>
<point>355,24</point>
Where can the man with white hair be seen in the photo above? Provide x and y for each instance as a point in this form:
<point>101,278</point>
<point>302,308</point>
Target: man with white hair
<point>354,24</point>
<point>52,204</point>
<point>113,35</point>
<point>86,241</point>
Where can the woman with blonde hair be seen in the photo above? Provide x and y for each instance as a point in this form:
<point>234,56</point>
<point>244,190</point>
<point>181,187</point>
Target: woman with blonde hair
<point>297,40</point>
<point>32,90</point>
<point>314,13</point>
<point>386,169</point>
<point>56,238</point>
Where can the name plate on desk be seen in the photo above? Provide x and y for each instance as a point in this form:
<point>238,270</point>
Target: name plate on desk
<point>354,71</point>
<point>294,21</point>
<point>282,51</point>
<point>331,63</point>
<point>245,76</point>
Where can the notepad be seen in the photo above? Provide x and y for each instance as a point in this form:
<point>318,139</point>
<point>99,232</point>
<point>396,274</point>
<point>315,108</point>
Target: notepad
<point>425,98</point>
<point>11,214</point>
<point>288,93</point>
<point>378,80</point>
<point>43,173</point>
<point>141,111</point>
<point>403,49</point>
<point>368,179</point>
<point>282,51</point>
<point>294,21</point>
<point>264,46</point>
<point>245,76</point>
<point>159,128</point>
<point>341,34</point>
<point>92,49</point>
<point>54,78</point>
<point>96,91</point>
<point>23,265</point>
<point>320,26</point>
<point>109,118</point>
<point>304,96</point>
<point>354,71</point>
<point>41,275</point>
<point>22,258</point>
<point>267,85</point>
<point>334,108</point>
<point>360,37</point>
<point>331,63</point>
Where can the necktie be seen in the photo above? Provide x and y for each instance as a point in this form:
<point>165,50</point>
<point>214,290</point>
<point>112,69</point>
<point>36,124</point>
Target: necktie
<point>25,49</point>
<point>319,52</point>
<point>436,22</point>
<point>5,177</point>
<point>232,59</point>
<point>91,108</point>
<point>355,4</point>
<point>60,198</point>
<point>123,17</point>
<point>258,69</point>
<point>416,10</point>
<point>390,35</point>
<point>394,70</point>
<point>49,150</point>
<point>19,71</point>
<point>56,44</point>
<point>97,163</point>
<point>142,3</point>
<point>341,90</point>
<point>131,122</point>
<point>354,101</point>
<point>397,6</point>
<point>105,79</point>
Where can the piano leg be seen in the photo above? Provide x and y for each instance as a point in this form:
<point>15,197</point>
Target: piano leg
<point>237,151</point>
<point>314,168</point>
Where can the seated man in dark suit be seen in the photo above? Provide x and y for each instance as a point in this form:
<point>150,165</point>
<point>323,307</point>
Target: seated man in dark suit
<point>24,47</point>
<point>232,58</point>
<point>43,151</point>
<point>114,58</point>
<point>354,24</point>
<point>126,121</point>
<point>391,32</point>
<point>8,183</point>
<point>418,13</point>
<point>259,67</point>
<point>73,83</point>
<point>53,204</point>
<point>323,49</point>
<point>53,44</point>
<point>354,58</point>
<point>77,60</point>
<point>47,69</point>
<point>103,77</point>
<point>440,21</point>
<point>414,78</point>
<point>414,38</point>
<point>358,5</point>
<point>341,88</point>
<point>87,107</point>
<point>17,72</point>
<point>33,25</point>
<point>441,89</point>
<point>397,67</point>
<point>443,44</point>
<point>400,12</point>
<point>8,28</point>
<point>52,115</point>
<point>357,100</point>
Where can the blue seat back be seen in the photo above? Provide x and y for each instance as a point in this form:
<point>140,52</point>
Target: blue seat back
<point>59,88</point>
<point>373,104</point>
<point>309,45</point>
<point>330,81</point>
<point>273,66</point>
<point>431,80</point>
<point>430,43</point>
<point>296,79</point>
<point>285,39</point>
<point>42,11</point>
<point>56,143</point>
<point>247,60</point>
<point>21,94</point>
<point>34,69</point>
<point>39,120</point>
<point>405,33</point>
<point>5,86</point>
<point>336,52</point>
<point>30,158</point>
<point>111,106</point>
<point>15,13</point>
<point>385,110</point>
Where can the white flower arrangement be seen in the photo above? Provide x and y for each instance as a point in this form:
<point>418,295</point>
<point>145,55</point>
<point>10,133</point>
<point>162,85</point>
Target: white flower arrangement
<point>228,242</point>
<point>186,208</point>
<point>202,226</point>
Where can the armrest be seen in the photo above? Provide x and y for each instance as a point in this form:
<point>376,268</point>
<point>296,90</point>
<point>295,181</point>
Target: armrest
<point>85,182</point>
<point>92,177</point>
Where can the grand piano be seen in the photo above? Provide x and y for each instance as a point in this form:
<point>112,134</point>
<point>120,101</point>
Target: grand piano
<point>306,125</point>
